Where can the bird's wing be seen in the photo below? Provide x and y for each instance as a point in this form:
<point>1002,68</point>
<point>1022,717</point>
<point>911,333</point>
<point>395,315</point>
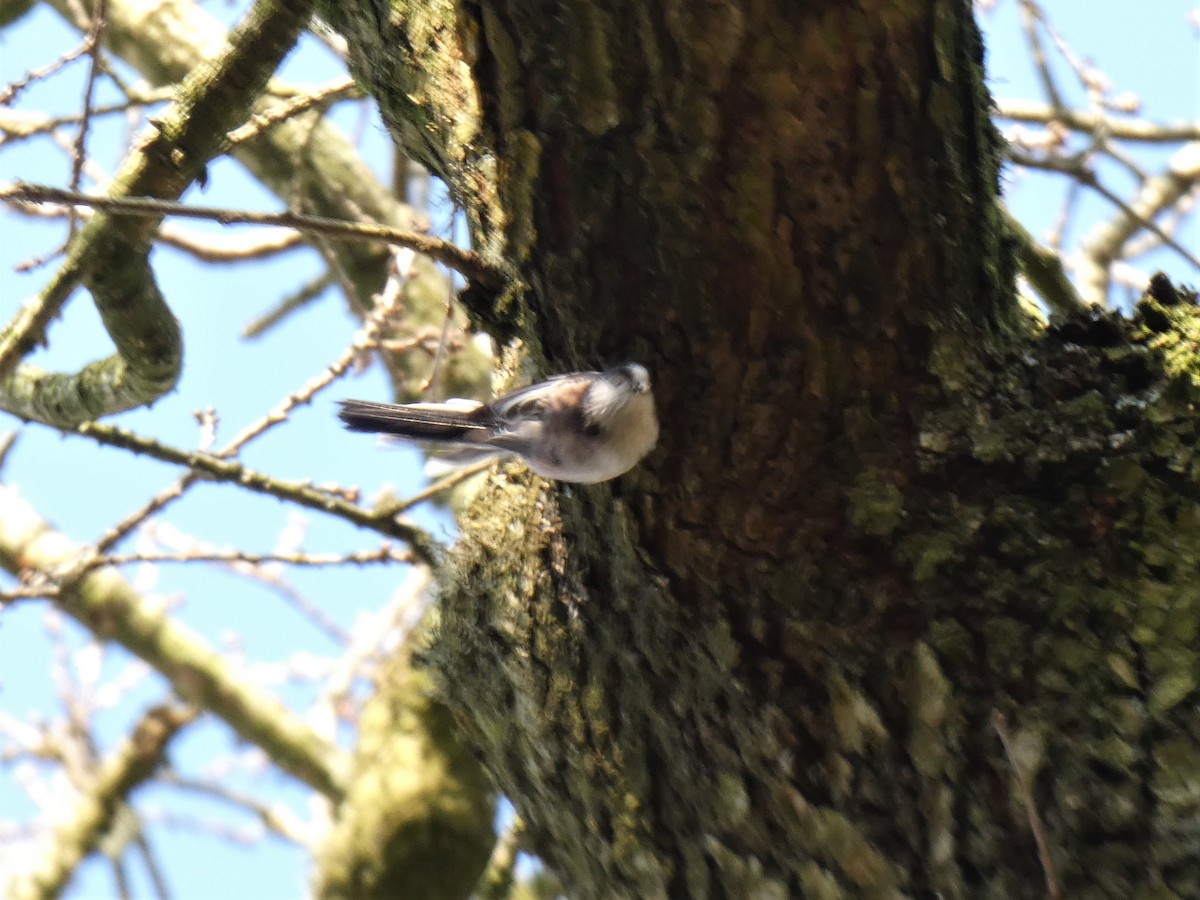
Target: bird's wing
<point>531,402</point>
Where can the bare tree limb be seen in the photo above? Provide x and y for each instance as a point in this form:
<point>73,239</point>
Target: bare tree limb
<point>465,261</point>
<point>1104,243</point>
<point>1044,269</point>
<point>124,771</point>
<point>213,99</point>
<point>107,605</point>
<point>1124,128</point>
<point>381,521</point>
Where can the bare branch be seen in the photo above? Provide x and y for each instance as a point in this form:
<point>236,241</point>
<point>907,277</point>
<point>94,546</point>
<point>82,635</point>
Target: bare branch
<point>212,100</point>
<point>342,89</point>
<point>366,336</point>
<point>1044,269</point>
<point>79,148</point>
<point>1020,110</point>
<point>18,125</point>
<point>1105,243</point>
<point>1053,886</point>
<point>10,92</point>
<point>109,607</point>
<point>279,820</point>
<point>455,478</point>
<point>124,771</point>
<point>384,553</point>
<point>295,301</point>
<point>381,521</point>
<point>467,262</point>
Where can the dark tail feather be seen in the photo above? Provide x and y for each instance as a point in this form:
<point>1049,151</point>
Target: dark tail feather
<point>423,423</point>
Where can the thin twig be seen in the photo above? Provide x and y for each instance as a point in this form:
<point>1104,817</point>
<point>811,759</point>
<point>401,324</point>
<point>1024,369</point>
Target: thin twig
<point>79,148</point>
<point>36,262</point>
<point>178,546</point>
<point>435,370</point>
<point>120,877</point>
<point>389,302</point>
<point>277,819</point>
<point>1058,231</point>
<point>496,882</point>
<point>297,300</point>
<point>1053,888</point>
<point>457,477</point>
<point>1084,175</point>
<point>226,247</point>
<point>9,94</point>
<point>7,441</point>
<point>365,337</point>
<point>466,262</point>
<point>17,125</point>
<point>208,247</point>
<point>1128,129</point>
<point>1030,16</point>
<point>152,865</point>
<point>158,502</point>
<point>425,548</point>
<point>1145,221</point>
<point>373,642</point>
<point>40,592</point>
<point>382,554</point>
<point>1172,218</point>
<point>343,89</point>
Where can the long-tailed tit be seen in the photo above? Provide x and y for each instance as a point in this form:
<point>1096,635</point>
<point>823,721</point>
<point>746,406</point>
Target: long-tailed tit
<point>585,426</point>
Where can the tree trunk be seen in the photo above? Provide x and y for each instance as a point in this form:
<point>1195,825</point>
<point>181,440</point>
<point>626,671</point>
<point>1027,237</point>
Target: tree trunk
<point>884,507</point>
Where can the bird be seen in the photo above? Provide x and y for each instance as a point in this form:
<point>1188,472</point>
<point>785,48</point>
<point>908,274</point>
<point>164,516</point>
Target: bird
<point>583,427</point>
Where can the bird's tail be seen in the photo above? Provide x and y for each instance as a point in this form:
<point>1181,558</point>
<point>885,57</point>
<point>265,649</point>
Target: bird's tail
<point>457,422</point>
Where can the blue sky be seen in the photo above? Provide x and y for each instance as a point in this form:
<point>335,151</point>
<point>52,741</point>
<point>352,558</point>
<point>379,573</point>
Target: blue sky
<point>83,489</point>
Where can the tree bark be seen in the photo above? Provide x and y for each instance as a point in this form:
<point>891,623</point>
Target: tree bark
<point>884,508</point>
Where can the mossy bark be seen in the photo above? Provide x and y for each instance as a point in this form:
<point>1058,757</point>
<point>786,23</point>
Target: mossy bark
<point>417,820</point>
<point>884,506</point>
